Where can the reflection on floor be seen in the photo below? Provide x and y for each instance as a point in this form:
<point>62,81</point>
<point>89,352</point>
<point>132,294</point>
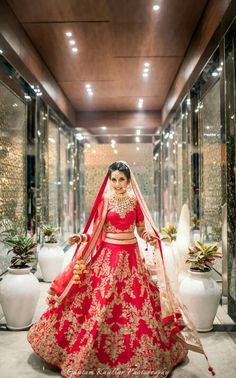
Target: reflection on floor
<point>17,359</point>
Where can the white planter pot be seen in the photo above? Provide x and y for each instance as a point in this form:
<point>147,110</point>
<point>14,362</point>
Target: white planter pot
<point>19,294</point>
<point>50,259</point>
<point>201,294</point>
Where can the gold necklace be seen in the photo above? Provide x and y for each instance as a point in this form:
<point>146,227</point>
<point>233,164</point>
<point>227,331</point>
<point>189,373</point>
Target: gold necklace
<point>122,203</point>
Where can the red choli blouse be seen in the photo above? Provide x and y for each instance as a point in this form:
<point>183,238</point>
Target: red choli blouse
<point>124,220</point>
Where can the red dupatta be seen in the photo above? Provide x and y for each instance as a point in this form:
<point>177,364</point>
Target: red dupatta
<point>64,281</point>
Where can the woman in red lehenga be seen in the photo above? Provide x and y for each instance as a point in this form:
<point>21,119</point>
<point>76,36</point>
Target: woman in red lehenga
<point>105,315</point>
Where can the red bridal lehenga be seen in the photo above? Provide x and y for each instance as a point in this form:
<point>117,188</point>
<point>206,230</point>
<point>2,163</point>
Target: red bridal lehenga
<point>112,323</point>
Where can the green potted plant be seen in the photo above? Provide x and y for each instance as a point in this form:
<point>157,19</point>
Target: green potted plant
<point>169,233</point>
<point>22,249</point>
<point>198,290</point>
<point>49,233</point>
<point>19,288</point>
<point>51,255</point>
<point>202,257</point>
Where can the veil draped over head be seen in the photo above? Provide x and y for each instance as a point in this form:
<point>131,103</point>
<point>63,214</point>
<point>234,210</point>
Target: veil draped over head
<point>172,310</point>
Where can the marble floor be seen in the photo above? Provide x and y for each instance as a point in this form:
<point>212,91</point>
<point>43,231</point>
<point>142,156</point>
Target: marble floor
<point>17,359</point>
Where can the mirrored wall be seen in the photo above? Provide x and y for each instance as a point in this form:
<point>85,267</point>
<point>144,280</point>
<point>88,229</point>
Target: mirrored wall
<point>194,163</point>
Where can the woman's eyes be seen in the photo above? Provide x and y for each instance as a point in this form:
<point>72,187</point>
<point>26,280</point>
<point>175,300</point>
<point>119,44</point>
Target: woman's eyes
<point>114,180</point>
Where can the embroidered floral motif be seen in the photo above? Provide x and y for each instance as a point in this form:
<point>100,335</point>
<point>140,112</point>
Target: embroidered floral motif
<point>112,321</point>
<point>109,227</point>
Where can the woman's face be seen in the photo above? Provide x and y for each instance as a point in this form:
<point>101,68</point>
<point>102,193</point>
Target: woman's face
<point>119,182</point>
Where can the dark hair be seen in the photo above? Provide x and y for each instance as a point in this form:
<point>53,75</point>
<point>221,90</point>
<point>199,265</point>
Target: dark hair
<point>119,166</point>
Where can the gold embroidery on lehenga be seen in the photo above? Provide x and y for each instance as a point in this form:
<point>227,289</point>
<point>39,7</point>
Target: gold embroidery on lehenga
<point>107,317</point>
<point>109,227</point>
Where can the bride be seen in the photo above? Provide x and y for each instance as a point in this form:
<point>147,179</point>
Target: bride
<point>105,315</point>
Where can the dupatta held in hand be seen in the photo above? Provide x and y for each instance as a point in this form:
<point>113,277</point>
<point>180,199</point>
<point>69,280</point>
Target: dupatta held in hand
<point>173,312</point>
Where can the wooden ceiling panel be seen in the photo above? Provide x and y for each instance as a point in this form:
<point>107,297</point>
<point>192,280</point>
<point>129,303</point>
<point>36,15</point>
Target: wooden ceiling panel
<point>130,80</point>
<point>109,103</point>
<point>115,38</point>
<point>113,10</point>
<point>130,120</point>
<point>92,62</point>
<point>60,10</point>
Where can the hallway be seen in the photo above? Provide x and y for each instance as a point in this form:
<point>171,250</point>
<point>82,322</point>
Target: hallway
<point>84,84</point>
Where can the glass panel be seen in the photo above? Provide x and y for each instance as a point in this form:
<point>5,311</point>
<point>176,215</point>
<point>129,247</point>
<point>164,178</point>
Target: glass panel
<point>229,263</point>
<point>66,180</point>
<point>169,186</point>
<point>211,165</point>
<point>12,157</point>
<point>12,160</point>
<point>53,177</point>
<point>178,150</point>
<point>42,208</point>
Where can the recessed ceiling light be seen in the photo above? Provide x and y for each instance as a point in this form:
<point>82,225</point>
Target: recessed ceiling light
<point>115,152</point>
<point>72,42</point>
<point>103,127</point>
<point>137,148</point>
<point>68,34</point>
<point>79,136</point>
<point>140,105</point>
<point>145,74</point>
<point>89,89</point>
<point>138,132</point>
<point>74,49</point>
<point>146,70</point>
<point>156,7</point>
<point>87,85</point>
<point>146,64</point>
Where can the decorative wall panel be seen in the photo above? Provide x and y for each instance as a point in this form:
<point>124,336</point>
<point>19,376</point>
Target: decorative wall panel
<point>211,165</point>
<point>66,179</point>
<point>229,235</point>
<point>53,173</point>
<point>12,159</point>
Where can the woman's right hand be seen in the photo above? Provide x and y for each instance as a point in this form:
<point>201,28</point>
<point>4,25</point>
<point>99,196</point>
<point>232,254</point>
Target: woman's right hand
<point>75,239</point>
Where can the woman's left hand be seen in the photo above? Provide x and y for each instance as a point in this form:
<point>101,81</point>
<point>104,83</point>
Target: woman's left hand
<point>153,240</point>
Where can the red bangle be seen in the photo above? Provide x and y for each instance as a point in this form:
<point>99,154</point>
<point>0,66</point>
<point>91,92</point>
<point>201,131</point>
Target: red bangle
<point>80,238</point>
<point>145,235</point>
<point>85,238</point>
